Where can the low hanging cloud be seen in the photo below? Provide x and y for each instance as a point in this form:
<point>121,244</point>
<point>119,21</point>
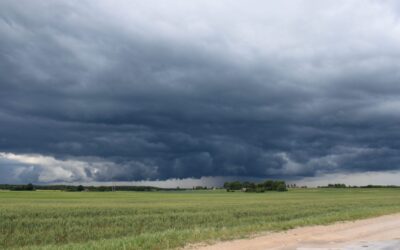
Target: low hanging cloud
<point>46,169</point>
<point>98,91</point>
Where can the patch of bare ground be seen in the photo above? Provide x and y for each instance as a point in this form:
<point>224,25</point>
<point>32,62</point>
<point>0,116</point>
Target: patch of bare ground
<point>375,233</point>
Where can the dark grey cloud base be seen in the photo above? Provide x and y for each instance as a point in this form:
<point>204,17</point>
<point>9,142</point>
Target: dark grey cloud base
<point>153,90</point>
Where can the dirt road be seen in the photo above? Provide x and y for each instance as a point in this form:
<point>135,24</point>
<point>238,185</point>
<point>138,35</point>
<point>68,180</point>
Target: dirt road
<point>376,233</point>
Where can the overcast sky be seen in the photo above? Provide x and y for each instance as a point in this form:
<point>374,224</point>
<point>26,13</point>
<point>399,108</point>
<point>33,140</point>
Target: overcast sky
<point>100,91</point>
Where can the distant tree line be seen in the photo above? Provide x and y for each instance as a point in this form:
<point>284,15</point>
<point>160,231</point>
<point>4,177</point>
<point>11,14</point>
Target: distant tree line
<point>28,187</point>
<point>200,188</point>
<point>341,185</point>
<point>337,185</point>
<point>269,185</point>
<point>379,186</point>
<point>80,188</point>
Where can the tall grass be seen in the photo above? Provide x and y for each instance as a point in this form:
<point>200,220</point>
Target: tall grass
<point>162,220</point>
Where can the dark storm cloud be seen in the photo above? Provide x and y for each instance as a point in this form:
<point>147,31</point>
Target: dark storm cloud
<point>100,91</point>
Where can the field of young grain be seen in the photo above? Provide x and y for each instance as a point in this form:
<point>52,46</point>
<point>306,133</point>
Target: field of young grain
<point>162,220</point>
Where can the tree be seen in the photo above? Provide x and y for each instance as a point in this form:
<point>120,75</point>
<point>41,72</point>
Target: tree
<point>269,185</point>
<point>30,187</point>
<point>80,188</point>
<point>235,185</point>
<point>281,187</point>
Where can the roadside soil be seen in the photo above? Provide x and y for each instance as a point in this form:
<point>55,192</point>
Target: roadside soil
<point>375,233</point>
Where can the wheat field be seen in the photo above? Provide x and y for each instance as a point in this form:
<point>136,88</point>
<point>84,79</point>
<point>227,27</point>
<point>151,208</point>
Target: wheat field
<point>167,220</point>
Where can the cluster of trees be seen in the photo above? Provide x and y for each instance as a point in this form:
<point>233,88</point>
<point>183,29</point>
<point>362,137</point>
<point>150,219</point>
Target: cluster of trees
<point>200,188</point>
<point>337,185</point>
<point>269,185</point>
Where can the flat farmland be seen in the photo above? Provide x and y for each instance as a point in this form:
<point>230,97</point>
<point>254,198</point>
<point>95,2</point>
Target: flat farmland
<point>167,220</point>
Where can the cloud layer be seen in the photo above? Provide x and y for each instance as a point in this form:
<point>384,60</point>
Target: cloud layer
<point>98,90</point>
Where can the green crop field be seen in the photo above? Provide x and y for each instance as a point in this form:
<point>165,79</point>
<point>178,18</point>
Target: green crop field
<point>162,220</point>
